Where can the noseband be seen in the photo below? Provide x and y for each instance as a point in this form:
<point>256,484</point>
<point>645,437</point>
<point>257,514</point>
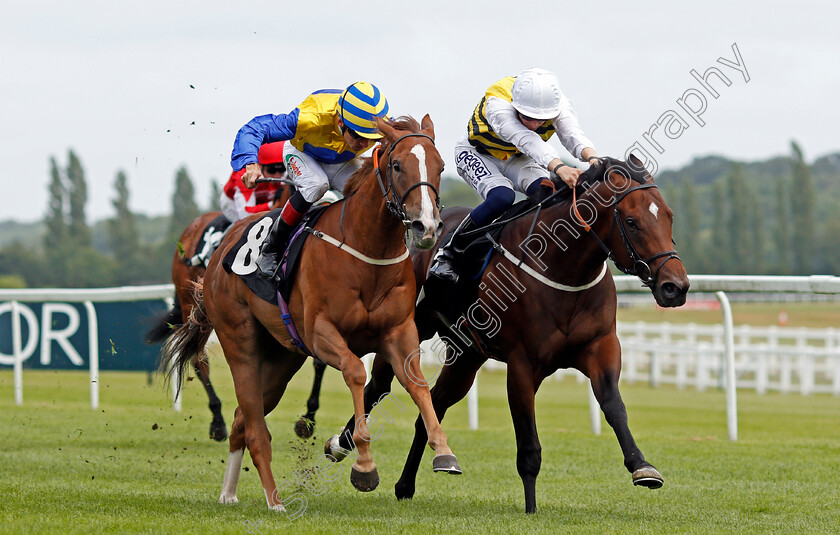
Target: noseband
<point>395,202</point>
<point>641,267</point>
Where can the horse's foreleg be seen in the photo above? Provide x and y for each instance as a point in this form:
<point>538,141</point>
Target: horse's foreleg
<point>453,383</point>
<point>218,430</point>
<point>305,426</point>
<point>522,385</point>
<point>402,349</point>
<point>331,347</point>
<point>379,385</point>
<point>603,369</point>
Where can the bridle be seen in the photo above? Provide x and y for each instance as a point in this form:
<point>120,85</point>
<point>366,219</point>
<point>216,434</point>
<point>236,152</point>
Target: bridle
<point>395,202</point>
<point>641,267</point>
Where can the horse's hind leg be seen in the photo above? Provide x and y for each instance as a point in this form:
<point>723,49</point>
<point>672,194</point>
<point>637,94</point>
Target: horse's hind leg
<point>275,377</point>
<point>451,386</point>
<point>218,430</point>
<point>305,426</point>
<point>234,462</point>
<point>603,368</point>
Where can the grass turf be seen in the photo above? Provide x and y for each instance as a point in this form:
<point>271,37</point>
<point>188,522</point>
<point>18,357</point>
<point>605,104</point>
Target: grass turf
<point>69,469</point>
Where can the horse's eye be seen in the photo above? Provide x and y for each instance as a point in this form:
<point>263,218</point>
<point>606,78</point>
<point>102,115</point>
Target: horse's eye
<point>631,223</point>
<point>396,167</point>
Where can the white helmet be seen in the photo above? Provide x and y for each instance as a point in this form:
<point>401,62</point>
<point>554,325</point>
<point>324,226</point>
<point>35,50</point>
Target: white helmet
<point>536,94</point>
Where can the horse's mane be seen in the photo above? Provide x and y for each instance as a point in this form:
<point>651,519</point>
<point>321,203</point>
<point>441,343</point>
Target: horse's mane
<point>597,173</point>
<point>404,124</point>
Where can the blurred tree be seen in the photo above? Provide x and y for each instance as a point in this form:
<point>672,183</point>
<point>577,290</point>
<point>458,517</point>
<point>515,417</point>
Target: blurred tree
<point>455,192</point>
<point>720,251</point>
<point>737,222</point>
<point>184,208</point>
<point>688,222</point>
<point>215,196</point>
<point>56,232</point>
<point>782,231</point>
<point>122,235</point>
<point>802,200</point>
<point>79,231</point>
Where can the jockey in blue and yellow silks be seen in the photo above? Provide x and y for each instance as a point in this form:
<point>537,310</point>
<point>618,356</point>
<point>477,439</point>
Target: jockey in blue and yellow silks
<point>326,133</point>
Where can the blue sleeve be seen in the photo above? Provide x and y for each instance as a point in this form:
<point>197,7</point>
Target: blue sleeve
<point>258,131</point>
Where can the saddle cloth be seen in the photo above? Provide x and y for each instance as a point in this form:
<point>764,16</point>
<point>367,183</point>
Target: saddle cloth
<point>241,258</point>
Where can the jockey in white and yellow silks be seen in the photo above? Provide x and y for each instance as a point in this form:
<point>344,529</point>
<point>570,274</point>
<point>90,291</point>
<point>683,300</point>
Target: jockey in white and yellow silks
<point>506,149</point>
<point>326,133</point>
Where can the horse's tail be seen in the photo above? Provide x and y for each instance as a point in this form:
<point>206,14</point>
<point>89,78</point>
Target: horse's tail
<point>165,323</point>
<point>186,345</point>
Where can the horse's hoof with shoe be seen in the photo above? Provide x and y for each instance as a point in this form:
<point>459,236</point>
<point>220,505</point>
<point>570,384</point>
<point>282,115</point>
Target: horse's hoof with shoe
<point>446,463</point>
<point>332,449</point>
<point>647,476</point>
<point>364,481</point>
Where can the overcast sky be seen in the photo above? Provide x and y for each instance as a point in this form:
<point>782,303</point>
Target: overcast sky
<point>112,80</point>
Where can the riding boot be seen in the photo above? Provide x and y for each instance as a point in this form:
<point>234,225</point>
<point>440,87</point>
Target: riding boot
<point>443,265</point>
<point>540,191</point>
<point>272,249</point>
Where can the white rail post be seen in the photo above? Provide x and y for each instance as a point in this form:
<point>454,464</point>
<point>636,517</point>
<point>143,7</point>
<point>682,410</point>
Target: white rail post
<point>729,352</point>
<point>93,346</point>
<point>17,352</point>
<point>472,404</point>
<point>594,412</point>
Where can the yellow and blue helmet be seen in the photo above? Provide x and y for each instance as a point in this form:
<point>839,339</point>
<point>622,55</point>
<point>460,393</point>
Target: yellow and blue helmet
<point>360,105</point>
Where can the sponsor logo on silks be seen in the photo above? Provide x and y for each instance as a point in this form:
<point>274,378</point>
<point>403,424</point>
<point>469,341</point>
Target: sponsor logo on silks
<point>473,164</point>
<point>295,165</point>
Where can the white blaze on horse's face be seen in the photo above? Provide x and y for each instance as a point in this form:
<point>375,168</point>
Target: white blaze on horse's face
<point>654,210</point>
<point>427,210</point>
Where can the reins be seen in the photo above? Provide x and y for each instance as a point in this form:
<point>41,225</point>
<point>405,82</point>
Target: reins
<point>641,267</point>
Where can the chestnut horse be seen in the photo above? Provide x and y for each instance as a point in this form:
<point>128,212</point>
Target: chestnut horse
<point>546,301</point>
<point>183,277</point>
<point>344,303</point>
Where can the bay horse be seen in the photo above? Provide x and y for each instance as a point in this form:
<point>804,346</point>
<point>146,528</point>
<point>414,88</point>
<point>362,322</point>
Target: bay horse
<point>344,303</point>
<point>183,277</point>
<point>546,301</point>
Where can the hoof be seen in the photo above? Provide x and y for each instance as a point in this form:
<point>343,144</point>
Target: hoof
<point>331,448</point>
<point>404,491</point>
<point>218,431</point>
<point>225,499</point>
<point>304,427</point>
<point>278,508</point>
<point>647,476</point>
<point>364,481</point>
<point>446,463</point>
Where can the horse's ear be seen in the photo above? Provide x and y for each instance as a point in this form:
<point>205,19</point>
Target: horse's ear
<point>386,129</point>
<point>427,126</point>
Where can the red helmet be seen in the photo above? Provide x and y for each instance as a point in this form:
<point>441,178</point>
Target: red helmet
<point>271,153</point>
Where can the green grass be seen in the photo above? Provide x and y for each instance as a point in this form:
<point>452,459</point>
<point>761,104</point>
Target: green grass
<point>815,315</point>
<point>69,469</point>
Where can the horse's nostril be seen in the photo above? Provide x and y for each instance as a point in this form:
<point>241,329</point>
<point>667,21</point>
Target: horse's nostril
<point>669,289</point>
<point>418,227</point>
